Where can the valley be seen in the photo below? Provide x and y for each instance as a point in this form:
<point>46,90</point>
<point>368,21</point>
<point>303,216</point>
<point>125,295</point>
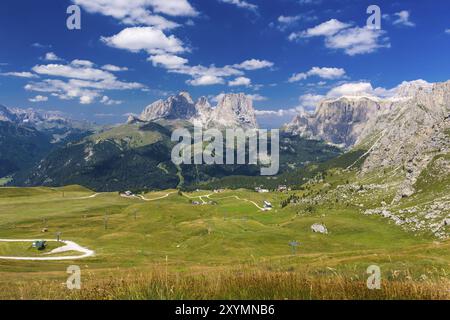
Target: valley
<point>160,239</point>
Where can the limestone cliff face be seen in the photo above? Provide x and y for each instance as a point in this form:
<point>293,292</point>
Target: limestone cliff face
<point>180,107</point>
<point>403,133</point>
<point>412,135</point>
<point>344,121</point>
<point>232,111</point>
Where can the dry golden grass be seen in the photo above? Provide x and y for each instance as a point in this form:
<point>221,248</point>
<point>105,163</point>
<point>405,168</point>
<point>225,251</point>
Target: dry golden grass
<point>259,285</point>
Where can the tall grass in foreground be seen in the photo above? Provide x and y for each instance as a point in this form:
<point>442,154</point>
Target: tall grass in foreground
<point>259,285</point>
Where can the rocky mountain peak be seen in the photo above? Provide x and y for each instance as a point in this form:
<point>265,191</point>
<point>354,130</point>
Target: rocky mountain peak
<point>7,115</point>
<point>187,96</point>
<point>409,89</point>
<point>235,110</point>
<point>347,120</point>
<point>179,107</point>
<point>342,121</point>
<point>232,110</point>
<point>203,102</point>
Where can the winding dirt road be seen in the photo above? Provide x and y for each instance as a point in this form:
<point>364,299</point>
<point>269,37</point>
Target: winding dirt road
<point>145,199</point>
<point>69,246</point>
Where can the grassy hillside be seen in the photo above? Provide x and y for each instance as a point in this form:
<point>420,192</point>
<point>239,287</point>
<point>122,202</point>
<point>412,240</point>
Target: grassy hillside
<point>20,147</point>
<point>138,157</point>
<point>151,246</point>
<point>23,146</point>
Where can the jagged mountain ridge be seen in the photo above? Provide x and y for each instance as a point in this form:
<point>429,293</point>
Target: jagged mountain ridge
<point>344,121</point>
<point>403,133</point>
<point>35,117</point>
<point>232,111</point>
<point>414,133</point>
<point>349,120</point>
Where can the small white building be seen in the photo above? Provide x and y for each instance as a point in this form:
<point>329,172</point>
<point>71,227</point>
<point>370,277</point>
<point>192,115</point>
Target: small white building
<point>261,190</point>
<point>267,205</point>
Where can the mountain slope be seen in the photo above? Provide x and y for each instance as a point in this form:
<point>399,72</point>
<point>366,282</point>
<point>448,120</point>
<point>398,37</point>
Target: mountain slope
<point>404,168</point>
<point>20,147</point>
<point>402,133</point>
<point>138,156</point>
<point>411,136</point>
<point>27,136</point>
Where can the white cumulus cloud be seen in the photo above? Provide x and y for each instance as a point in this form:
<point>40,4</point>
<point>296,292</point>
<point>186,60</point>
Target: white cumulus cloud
<point>326,29</point>
<point>168,61</point>
<point>113,68</point>
<point>149,39</point>
<point>19,74</point>
<point>403,18</point>
<point>141,12</point>
<point>206,80</point>
<point>324,73</point>
<point>38,98</point>
<point>51,56</point>
<point>84,82</point>
<point>352,40</point>
<point>351,89</point>
<point>109,102</point>
<point>254,64</point>
<point>241,81</point>
<point>242,4</point>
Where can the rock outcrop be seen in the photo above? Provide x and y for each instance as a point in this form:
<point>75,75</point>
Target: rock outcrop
<point>319,228</point>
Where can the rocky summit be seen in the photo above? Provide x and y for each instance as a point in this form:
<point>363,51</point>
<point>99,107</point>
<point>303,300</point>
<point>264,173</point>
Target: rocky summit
<point>232,111</point>
<point>349,120</point>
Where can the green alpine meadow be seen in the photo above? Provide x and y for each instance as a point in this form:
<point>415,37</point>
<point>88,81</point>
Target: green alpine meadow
<point>263,153</point>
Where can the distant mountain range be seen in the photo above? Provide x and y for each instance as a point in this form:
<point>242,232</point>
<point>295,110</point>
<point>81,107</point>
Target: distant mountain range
<point>398,138</point>
<point>27,136</point>
<point>137,155</point>
<point>42,120</point>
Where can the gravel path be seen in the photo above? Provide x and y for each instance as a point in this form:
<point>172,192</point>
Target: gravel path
<point>69,246</point>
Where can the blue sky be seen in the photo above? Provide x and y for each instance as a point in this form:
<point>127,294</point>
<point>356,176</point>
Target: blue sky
<point>287,54</point>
